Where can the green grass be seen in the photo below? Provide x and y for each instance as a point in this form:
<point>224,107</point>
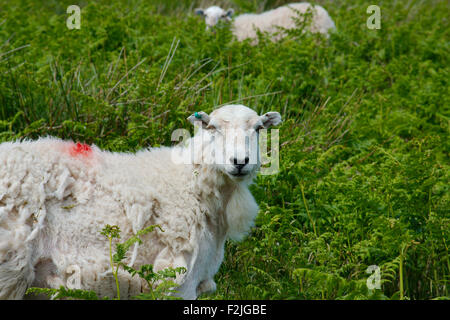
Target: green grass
<point>365,145</point>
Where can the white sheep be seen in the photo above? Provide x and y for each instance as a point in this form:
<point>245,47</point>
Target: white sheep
<point>56,196</point>
<point>245,25</point>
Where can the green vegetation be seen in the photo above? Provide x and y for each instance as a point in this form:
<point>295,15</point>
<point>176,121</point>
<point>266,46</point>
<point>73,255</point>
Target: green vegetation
<point>160,283</point>
<point>364,147</point>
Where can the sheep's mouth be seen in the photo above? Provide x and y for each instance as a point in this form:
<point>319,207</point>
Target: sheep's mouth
<point>239,174</point>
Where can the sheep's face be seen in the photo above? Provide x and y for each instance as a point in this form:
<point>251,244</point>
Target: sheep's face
<point>214,14</point>
<point>229,138</point>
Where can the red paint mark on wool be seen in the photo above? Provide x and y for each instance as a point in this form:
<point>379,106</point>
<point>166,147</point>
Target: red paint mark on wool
<point>81,149</point>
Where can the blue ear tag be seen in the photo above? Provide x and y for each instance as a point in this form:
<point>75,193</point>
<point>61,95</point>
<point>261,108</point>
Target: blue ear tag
<point>198,116</point>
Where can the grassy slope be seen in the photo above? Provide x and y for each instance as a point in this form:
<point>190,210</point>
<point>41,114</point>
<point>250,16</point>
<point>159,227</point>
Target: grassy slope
<point>364,176</point>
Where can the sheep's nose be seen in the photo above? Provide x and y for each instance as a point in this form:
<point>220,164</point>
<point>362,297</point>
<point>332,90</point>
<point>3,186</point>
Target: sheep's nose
<point>239,163</point>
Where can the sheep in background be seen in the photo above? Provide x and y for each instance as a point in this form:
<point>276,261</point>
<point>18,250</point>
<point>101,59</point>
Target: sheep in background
<point>245,25</point>
<point>56,196</point>
<point>214,14</point>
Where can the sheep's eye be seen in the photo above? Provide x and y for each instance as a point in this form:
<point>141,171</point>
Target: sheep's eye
<point>210,127</point>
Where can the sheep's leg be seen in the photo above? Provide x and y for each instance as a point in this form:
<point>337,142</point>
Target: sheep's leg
<point>16,269</point>
<point>16,274</point>
<point>206,286</point>
<point>166,259</point>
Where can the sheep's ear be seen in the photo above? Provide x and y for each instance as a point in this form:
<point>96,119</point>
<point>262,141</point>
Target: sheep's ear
<point>199,118</point>
<point>199,11</point>
<point>230,12</point>
<point>270,119</point>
